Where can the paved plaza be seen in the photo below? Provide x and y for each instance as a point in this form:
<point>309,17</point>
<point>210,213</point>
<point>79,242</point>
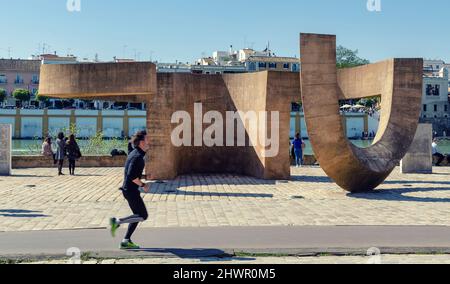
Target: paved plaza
<point>383,259</point>
<point>37,199</point>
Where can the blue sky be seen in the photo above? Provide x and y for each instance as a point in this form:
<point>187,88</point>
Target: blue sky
<point>184,29</point>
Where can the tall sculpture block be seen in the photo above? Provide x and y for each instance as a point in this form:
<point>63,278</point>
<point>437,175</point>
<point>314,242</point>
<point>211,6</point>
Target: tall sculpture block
<point>419,159</point>
<point>5,149</point>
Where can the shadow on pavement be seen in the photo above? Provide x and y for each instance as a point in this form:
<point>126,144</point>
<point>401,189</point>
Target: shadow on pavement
<point>417,182</point>
<point>31,176</point>
<point>320,179</point>
<point>399,194</point>
<point>16,213</point>
<point>87,175</point>
<point>172,187</point>
<point>203,254</point>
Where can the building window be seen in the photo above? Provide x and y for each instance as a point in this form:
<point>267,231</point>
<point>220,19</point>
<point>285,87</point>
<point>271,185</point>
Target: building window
<point>433,90</point>
<point>446,108</point>
<point>425,108</point>
<point>19,79</point>
<point>435,108</point>
<point>35,79</point>
<point>262,65</point>
<point>295,67</point>
<point>429,90</point>
<point>286,65</point>
<point>252,66</point>
<point>3,79</point>
<point>437,89</point>
<point>272,65</point>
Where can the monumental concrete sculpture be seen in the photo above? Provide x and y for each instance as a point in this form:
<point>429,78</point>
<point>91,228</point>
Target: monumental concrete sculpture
<point>167,93</point>
<point>398,81</point>
<point>354,169</point>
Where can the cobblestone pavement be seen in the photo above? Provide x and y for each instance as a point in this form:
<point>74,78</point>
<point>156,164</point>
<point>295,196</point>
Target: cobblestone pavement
<point>37,199</point>
<point>383,259</point>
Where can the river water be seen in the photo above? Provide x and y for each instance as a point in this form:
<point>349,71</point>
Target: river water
<point>27,147</point>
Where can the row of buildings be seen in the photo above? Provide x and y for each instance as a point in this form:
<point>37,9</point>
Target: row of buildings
<point>235,61</point>
<point>436,96</point>
<point>436,89</point>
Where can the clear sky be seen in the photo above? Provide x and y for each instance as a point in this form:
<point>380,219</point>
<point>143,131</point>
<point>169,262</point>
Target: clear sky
<point>184,29</point>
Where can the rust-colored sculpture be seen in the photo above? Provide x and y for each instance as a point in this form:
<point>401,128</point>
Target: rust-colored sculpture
<point>166,93</point>
<point>398,81</point>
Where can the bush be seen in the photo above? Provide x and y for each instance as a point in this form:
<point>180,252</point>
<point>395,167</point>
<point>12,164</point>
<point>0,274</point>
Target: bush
<point>21,95</point>
<point>42,98</point>
<point>2,95</point>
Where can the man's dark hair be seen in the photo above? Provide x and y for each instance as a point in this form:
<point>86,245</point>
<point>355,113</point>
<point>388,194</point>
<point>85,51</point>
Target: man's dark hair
<point>138,137</point>
<point>60,135</point>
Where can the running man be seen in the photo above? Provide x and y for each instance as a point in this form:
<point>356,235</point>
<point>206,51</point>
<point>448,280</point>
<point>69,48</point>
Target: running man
<point>134,168</point>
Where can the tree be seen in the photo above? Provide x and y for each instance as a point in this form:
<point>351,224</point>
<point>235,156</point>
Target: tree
<point>346,58</point>
<point>42,99</point>
<point>21,95</point>
<point>2,95</point>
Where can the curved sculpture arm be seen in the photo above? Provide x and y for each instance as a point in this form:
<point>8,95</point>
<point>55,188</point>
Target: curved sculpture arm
<point>398,81</point>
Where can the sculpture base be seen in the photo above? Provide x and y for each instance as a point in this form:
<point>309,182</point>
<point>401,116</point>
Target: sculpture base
<point>419,160</point>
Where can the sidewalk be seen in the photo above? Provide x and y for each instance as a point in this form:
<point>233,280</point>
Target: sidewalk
<point>226,241</point>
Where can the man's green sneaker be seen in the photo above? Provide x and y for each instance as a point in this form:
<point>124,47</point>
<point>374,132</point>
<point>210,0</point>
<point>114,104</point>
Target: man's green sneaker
<point>114,226</point>
<point>129,245</point>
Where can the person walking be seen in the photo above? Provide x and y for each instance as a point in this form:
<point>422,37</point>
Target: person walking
<point>73,153</point>
<point>134,168</point>
<point>60,152</point>
<point>130,147</point>
<point>436,152</point>
<point>297,145</point>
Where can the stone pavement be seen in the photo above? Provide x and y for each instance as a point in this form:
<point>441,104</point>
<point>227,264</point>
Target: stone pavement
<point>383,259</point>
<point>37,199</point>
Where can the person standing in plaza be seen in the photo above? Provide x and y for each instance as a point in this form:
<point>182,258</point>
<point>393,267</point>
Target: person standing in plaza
<point>436,152</point>
<point>73,153</point>
<point>47,150</point>
<point>134,168</point>
<point>60,152</point>
<point>298,145</point>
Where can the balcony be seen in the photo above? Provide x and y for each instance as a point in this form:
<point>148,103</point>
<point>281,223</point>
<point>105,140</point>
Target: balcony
<point>35,82</point>
<point>3,81</point>
<point>18,82</point>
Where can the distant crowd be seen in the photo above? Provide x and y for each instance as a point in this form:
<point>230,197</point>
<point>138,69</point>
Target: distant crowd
<point>64,148</point>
